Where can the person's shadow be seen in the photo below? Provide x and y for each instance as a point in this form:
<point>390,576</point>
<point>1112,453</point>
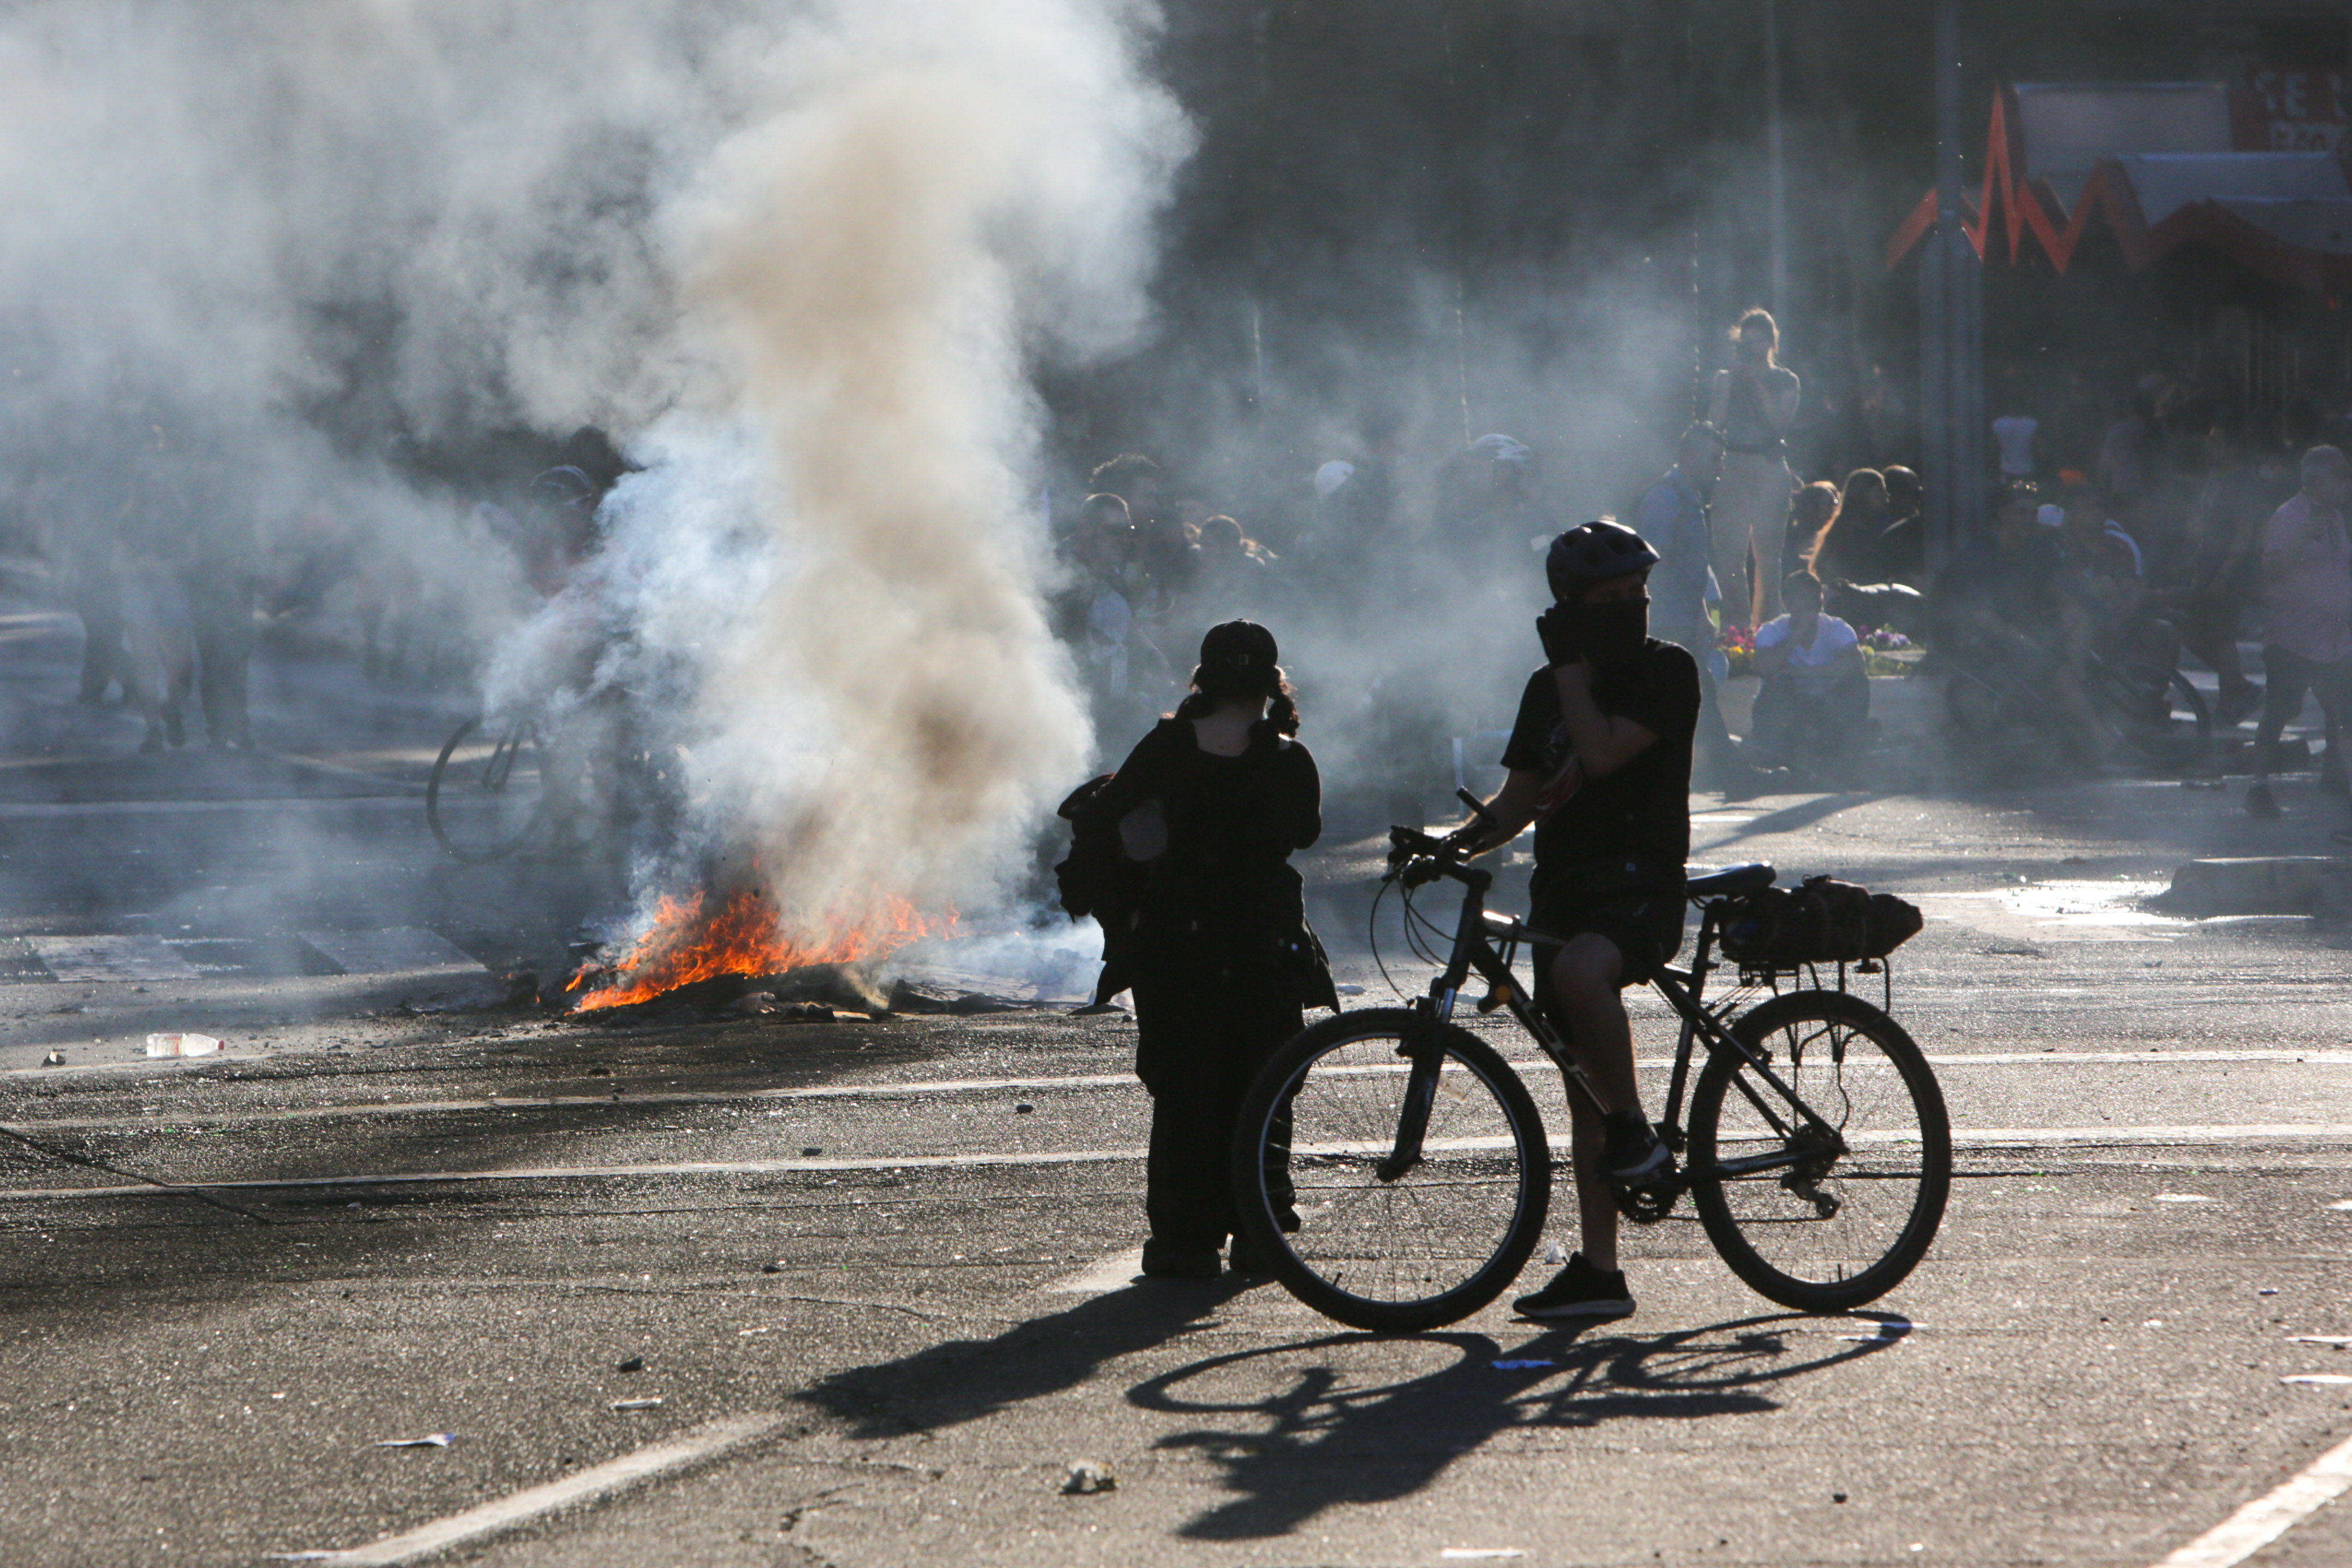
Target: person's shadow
<point>969,1380</point>
<point>1324,1440</point>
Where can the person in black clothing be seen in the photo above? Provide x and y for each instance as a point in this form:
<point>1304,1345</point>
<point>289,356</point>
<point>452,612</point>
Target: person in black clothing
<point>1216,799</point>
<point>1599,760</point>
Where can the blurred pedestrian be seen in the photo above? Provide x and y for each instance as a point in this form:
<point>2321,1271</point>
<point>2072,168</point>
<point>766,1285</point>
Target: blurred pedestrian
<point>152,563</point>
<point>1753,403</point>
<point>2209,581</point>
<point>1810,511</point>
<point>97,591</point>
<point>1216,799</point>
<point>1902,549</point>
<point>1671,517</point>
<point>2306,598</point>
<point>223,584</point>
<point>2016,434</point>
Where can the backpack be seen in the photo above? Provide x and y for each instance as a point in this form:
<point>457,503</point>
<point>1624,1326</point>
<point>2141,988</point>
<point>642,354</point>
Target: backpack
<point>1821,922</point>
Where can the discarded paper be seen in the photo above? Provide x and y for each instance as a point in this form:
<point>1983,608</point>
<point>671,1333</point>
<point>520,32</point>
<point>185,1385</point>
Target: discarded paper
<point>636,1403</point>
<point>431,1440</point>
<point>2319,1378</point>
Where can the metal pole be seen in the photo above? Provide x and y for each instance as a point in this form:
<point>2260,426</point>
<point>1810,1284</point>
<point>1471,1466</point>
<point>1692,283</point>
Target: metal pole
<point>1951,330</point>
<point>1776,165</point>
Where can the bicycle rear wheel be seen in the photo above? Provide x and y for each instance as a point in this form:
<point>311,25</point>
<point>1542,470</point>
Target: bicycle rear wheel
<point>489,791</point>
<point>1835,1233</point>
<point>1433,1246</point>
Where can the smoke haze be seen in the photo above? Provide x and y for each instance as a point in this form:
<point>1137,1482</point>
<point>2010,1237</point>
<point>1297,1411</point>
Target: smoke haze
<point>798,260</point>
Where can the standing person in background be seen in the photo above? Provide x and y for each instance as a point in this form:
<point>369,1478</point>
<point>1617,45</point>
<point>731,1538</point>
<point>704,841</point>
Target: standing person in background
<point>1164,552</point>
<point>1671,517</point>
<point>152,562</point>
<point>2016,434</point>
<point>2217,569</point>
<point>98,600</point>
<point>2307,597</point>
<point>222,587</point>
<point>2133,453</point>
<point>1753,403</point>
<point>1225,965</point>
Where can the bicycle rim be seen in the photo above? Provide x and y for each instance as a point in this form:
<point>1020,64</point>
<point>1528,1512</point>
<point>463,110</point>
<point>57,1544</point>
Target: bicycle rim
<point>1430,1248</point>
<point>1828,1240</point>
<point>488,792</point>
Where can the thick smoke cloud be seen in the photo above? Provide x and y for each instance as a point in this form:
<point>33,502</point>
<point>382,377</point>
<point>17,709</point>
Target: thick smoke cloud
<point>797,259</point>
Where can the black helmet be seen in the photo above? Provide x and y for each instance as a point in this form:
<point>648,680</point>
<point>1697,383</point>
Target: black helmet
<point>1240,646</point>
<point>1593,552</point>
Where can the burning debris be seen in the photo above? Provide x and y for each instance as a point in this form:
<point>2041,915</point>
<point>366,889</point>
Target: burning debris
<point>714,961</point>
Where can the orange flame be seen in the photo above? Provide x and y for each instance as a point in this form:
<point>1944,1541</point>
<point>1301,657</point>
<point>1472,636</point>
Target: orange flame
<point>745,937</point>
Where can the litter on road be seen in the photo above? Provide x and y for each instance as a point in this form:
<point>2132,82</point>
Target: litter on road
<point>636,1403</point>
<point>2339,1340</point>
<point>1521,1366</point>
<point>2182,1198</point>
<point>1479,1554</point>
<point>431,1440</point>
<point>1088,1477</point>
<point>181,1045</point>
<point>632,1364</point>
<point>2319,1379</point>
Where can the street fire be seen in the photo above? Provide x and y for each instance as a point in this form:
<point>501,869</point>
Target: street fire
<point>746,936</point>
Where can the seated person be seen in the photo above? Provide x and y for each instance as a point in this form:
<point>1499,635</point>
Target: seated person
<point>2108,605</point>
<point>1815,702</point>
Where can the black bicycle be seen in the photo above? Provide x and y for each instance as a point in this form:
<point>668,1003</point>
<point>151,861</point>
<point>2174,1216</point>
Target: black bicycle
<point>1393,1167</point>
<point>2148,712</point>
<point>488,794</point>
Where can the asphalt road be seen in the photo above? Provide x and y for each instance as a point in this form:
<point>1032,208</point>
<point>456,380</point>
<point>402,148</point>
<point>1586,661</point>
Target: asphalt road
<point>878,1274</point>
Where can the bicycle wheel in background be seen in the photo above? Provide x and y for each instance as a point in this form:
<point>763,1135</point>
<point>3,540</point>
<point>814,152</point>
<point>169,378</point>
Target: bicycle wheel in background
<point>489,791</point>
<point>1434,1245</point>
<point>1831,1237</point>
<point>2158,715</point>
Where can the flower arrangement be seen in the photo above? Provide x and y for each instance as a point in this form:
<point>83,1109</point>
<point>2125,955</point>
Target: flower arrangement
<point>1738,646</point>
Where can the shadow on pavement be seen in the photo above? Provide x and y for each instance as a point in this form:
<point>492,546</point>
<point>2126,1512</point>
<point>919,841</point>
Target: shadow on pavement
<point>970,1380</point>
<point>1324,1442</point>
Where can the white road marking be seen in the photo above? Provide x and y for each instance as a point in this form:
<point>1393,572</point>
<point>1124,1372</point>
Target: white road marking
<point>75,958</point>
<point>1113,1273</point>
<point>20,810</point>
<point>1983,1137</point>
<point>1091,1080</point>
<point>396,950</point>
<point>2267,1518</point>
<point>700,1446</point>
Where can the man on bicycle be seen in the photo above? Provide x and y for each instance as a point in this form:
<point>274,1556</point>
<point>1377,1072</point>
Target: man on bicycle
<point>1599,760</point>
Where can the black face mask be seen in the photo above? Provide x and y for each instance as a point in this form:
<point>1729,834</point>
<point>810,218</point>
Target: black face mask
<point>1612,631</point>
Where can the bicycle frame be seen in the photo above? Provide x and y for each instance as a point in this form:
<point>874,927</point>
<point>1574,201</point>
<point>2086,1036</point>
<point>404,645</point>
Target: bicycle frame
<point>1474,952</point>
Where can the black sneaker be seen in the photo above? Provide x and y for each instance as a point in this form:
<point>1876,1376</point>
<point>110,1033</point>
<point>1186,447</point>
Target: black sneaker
<point>1633,1156</point>
<point>1163,1261</point>
<point>1579,1291</point>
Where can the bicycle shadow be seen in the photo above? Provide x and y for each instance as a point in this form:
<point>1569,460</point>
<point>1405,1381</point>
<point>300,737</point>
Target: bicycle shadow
<point>1319,1444</point>
<point>959,1381</point>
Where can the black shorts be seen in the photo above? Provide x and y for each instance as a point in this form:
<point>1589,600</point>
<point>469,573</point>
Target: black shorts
<point>1643,923</point>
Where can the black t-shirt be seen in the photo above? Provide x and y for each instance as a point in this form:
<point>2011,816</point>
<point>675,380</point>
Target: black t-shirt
<point>1638,816</point>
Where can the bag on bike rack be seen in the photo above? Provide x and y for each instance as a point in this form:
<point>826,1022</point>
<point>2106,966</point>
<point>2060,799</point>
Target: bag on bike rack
<point>1823,920</point>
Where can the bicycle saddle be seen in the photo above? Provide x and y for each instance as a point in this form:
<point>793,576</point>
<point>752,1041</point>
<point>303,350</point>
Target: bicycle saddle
<point>1730,879</point>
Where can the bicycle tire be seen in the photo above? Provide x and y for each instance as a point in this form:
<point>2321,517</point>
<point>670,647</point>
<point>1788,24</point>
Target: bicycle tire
<point>2179,737</point>
<point>1434,1246</point>
<point>462,844</point>
<point>1761,1223</point>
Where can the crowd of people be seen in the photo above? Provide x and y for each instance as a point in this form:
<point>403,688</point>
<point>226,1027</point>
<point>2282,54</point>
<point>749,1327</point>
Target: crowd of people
<point>2167,530</point>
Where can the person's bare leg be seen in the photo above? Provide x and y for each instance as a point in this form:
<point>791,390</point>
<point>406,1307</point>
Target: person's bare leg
<point>1584,975</point>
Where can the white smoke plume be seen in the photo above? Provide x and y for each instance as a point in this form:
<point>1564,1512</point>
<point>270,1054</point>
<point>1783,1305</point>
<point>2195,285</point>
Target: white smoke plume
<point>797,258</point>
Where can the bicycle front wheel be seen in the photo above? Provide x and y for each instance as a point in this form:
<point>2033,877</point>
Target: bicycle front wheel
<point>1833,1232</point>
<point>1436,1243</point>
<point>489,791</point>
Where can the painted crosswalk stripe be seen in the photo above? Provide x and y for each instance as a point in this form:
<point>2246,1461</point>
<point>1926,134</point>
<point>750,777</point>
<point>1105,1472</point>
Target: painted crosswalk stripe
<point>2268,1517</point>
<point>699,1446</point>
<point>1990,1137</point>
